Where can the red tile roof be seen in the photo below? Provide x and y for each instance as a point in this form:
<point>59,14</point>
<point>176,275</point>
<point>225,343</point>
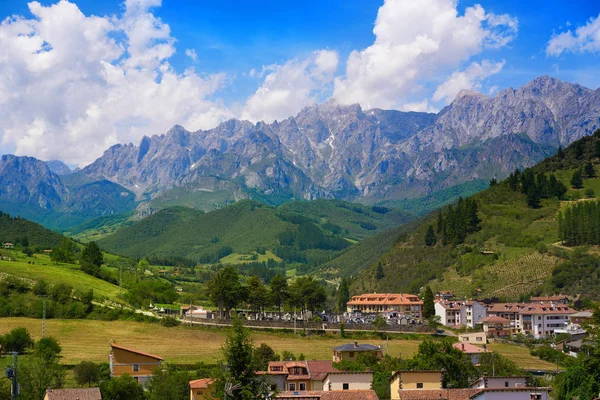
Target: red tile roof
<point>203,383</point>
<point>317,370</point>
<point>116,346</point>
<point>469,348</point>
<point>505,307</point>
<point>385,299</point>
<point>494,319</point>
<point>547,308</point>
<point>330,395</point>
<point>74,394</point>
<point>437,394</point>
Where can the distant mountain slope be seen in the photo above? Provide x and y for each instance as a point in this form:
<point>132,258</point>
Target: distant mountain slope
<point>298,232</point>
<point>15,230</point>
<point>515,253</point>
<point>353,154</point>
<point>30,189</point>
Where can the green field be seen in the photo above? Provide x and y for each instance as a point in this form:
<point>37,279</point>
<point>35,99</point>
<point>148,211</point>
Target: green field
<point>237,258</point>
<point>89,340</point>
<point>69,274</point>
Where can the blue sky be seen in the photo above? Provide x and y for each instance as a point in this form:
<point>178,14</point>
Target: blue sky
<point>199,62</point>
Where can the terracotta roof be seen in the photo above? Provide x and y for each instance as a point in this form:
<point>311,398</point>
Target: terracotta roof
<point>505,307</point>
<point>546,308</point>
<point>526,390</point>
<point>74,394</point>
<point>330,395</point>
<point>494,319</point>
<point>549,298</point>
<point>116,346</point>
<point>469,348</point>
<point>203,383</point>
<point>385,299</point>
<point>318,370</point>
<point>437,394</point>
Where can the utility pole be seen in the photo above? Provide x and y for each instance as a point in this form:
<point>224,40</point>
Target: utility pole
<point>44,318</point>
<point>11,373</point>
<point>294,320</point>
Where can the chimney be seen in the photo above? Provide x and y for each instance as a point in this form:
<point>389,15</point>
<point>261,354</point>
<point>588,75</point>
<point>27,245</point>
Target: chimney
<point>462,345</point>
<point>355,344</point>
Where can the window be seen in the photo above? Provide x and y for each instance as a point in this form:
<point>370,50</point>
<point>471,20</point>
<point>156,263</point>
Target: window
<point>136,368</point>
<point>302,386</point>
<point>273,387</point>
<point>506,384</point>
<point>292,387</point>
<point>199,392</point>
<point>351,354</point>
<point>345,386</point>
<point>419,385</point>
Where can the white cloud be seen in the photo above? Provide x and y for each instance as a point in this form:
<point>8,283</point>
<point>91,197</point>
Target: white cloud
<point>468,79</point>
<point>191,53</point>
<point>586,38</point>
<point>416,41</point>
<point>289,87</point>
<point>71,85</point>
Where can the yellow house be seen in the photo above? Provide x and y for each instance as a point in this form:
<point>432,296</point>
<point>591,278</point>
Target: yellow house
<point>201,388</point>
<point>350,352</point>
<point>136,363</point>
<point>406,380</point>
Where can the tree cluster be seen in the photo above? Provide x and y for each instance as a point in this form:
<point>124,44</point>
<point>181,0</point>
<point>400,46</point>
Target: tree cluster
<point>228,292</point>
<point>536,186</point>
<point>457,221</point>
<point>579,224</point>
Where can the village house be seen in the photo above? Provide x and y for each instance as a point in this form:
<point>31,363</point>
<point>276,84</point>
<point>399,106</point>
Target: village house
<point>542,319</point>
<point>454,313</point>
<point>323,395</point>
<point>408,304</point>
<point>73,394</point>
<point>298,375</point>
<point>136,363</point>
<point>495,326</point>
<point>427,385</point>
<point>350,351</point>
<point>200,388</point>
<point>581,317</point>
<point>345,380</point>
<point>550,299</point>
<point>9,245</point>
<point>444,295</point>
<point>474,352</point>
<point>510,311</point>
<point>472,337</point>
<point>496,382</point>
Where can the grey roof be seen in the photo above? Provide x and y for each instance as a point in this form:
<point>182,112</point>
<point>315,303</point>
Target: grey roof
<point>357,347</point>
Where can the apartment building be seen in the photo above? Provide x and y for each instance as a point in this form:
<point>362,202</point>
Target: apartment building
<point>408,304</point>
<point>467,313</point>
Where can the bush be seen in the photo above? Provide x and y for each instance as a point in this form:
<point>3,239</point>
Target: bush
<point>17,340</point>
<point>169,322</point>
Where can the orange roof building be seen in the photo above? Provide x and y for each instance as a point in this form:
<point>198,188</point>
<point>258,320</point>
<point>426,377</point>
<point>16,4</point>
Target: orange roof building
<point>201,388</point>
<point>138,364</point>
<point>408,304</point>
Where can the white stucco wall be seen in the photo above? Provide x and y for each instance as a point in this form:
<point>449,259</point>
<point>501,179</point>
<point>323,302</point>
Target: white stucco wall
<point>362,381</point>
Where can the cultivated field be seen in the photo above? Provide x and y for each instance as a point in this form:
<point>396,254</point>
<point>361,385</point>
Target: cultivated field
<point>89,340</point>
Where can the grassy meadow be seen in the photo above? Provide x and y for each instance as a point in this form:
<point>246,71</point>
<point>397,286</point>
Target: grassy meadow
<point>90,340</point>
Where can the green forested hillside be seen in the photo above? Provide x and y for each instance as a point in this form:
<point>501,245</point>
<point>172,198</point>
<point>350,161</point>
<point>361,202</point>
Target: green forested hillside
<point>21,231</point>
<point>351,220</point>
<point>250,228</point>
<point>515,250</point>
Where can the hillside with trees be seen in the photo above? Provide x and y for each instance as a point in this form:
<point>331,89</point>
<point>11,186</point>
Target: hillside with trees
<point>516,238</point>
<point>25,233</point>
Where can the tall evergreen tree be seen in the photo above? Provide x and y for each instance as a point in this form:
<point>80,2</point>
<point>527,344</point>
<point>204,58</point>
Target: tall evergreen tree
<point>533,197</point>
<point>560,153</point>
<point>577,180</point>
<point>279,291</point>
<point>379,274</point>
<point>590,171</point>
<point>430,238</point>
<point>343,295</point>
<point>428,304</point>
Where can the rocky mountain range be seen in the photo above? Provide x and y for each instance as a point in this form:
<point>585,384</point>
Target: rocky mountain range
<point>332,151</point>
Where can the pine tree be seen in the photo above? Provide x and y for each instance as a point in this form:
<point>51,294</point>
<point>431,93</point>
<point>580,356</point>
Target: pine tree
<point>430,239</point>
<point>379,272</point>
<point>576,180</point>
<point>428,305</point>
<point>590,172</point>
<point>440,222</point>
<point>493,182</point>
<point>560,153</point>
<point>343,295</point>
<point>533,197</point>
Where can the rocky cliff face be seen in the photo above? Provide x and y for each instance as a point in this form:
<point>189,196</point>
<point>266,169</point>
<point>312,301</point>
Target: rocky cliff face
<point>331,151</point>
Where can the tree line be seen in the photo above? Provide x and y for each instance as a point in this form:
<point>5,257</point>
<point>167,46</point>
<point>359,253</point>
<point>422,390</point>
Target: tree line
<point>454,223</point>
<point>227,292</point>
<point>536,186</point>
<point>579,224</point>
